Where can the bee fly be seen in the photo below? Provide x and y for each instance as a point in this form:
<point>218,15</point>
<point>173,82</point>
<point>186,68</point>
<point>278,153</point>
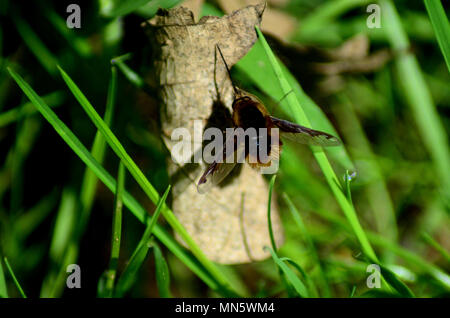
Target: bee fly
<point>249,112</point>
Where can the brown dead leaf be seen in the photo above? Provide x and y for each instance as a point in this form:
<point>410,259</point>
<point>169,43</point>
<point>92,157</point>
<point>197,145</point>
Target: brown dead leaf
<point>193,86</point>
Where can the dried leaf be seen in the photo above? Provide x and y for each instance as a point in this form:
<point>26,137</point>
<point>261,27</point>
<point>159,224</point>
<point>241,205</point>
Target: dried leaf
<point>195,86</point>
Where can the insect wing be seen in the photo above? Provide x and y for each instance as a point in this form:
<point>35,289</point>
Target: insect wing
<point>217,171</point>
<point>303,134</point>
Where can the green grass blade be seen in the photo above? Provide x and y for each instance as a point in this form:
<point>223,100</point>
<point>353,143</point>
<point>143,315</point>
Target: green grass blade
<point>64,225</point>
<point>290,276</point>
<point>347,187</point>
<point>3,289</point>
<point>141,179</point>
<point>324,15</point>
<point>63,232</point>
<point>441,27</point>
<point>393,280</point>
<point>145,7</point>
<point>438,247</point>
<point>311,286</point>
<point>116,232</point>
<point>418,96</point>
<point>377,191</point>
<point>26,133</point>
<point>36,46</point>
<point>320,156</point>
<point>13,276</point>
<point>162,272</point>
<point>131,75</point>
<point>409,257</point>
<point>53,100</point>
<point>74,143</point>
<point>89,183</point>
<point>148,232</point>
<point>122,8</point>
<point>269,219</point>
<point>413,259</point>
<point>352,293</point>
<point>80,45</point>
<point>310,243</point>
<point>86,199</point>
<point>129,274</point>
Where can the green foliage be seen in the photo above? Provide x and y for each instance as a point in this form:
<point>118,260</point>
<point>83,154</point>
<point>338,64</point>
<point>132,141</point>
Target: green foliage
<point>129,275</point>
<point>393,125</point>
<point>13,276</point>
<point>162,272</point>
<point>292,279</point>
<point>3,288</point>
<point>419,98</point>
<point>441,27</point>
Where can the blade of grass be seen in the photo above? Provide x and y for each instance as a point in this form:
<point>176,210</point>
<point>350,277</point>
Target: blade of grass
<point>122,8</point>
<point>320,156</point>
<point>64,225</point>
<point>129,274</point>
<point>352,293</point>
<point>128,72</point>
<point>29,221</point>
<point>438,274</point>
<point>293,279</point>
<point>63,231</point>
<point>441,27</point>
<point>74,143</point>
<point>90,180</point>
<point>140,178</point>
<point>347,181</point>
<point>324,15</point>
<point>310,243</point>
<point>432,242</point>
<point>80,45</point>
<point>16,282</point>
<point>162,272</point>
<point>310,283</point>
<point>377,191</point>
<point>392,279</point>
<point>418,97</point>
<point>131,75</point>
<point>409,257</point>
<point>145,7</point>
<point>36,46</point>
<point>116,232</point>
<point>3,289</point>
<point>285,280</point>
<point>269,219</point>
<point>86,199</point>
<point>27,132</point>
<point>53,99</point>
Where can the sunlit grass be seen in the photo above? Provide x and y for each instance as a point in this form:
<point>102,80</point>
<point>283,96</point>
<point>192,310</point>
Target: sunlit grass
<point>392,124</point>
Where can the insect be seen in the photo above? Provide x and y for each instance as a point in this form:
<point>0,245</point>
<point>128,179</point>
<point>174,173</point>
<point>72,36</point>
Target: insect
<point>249,112</point>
